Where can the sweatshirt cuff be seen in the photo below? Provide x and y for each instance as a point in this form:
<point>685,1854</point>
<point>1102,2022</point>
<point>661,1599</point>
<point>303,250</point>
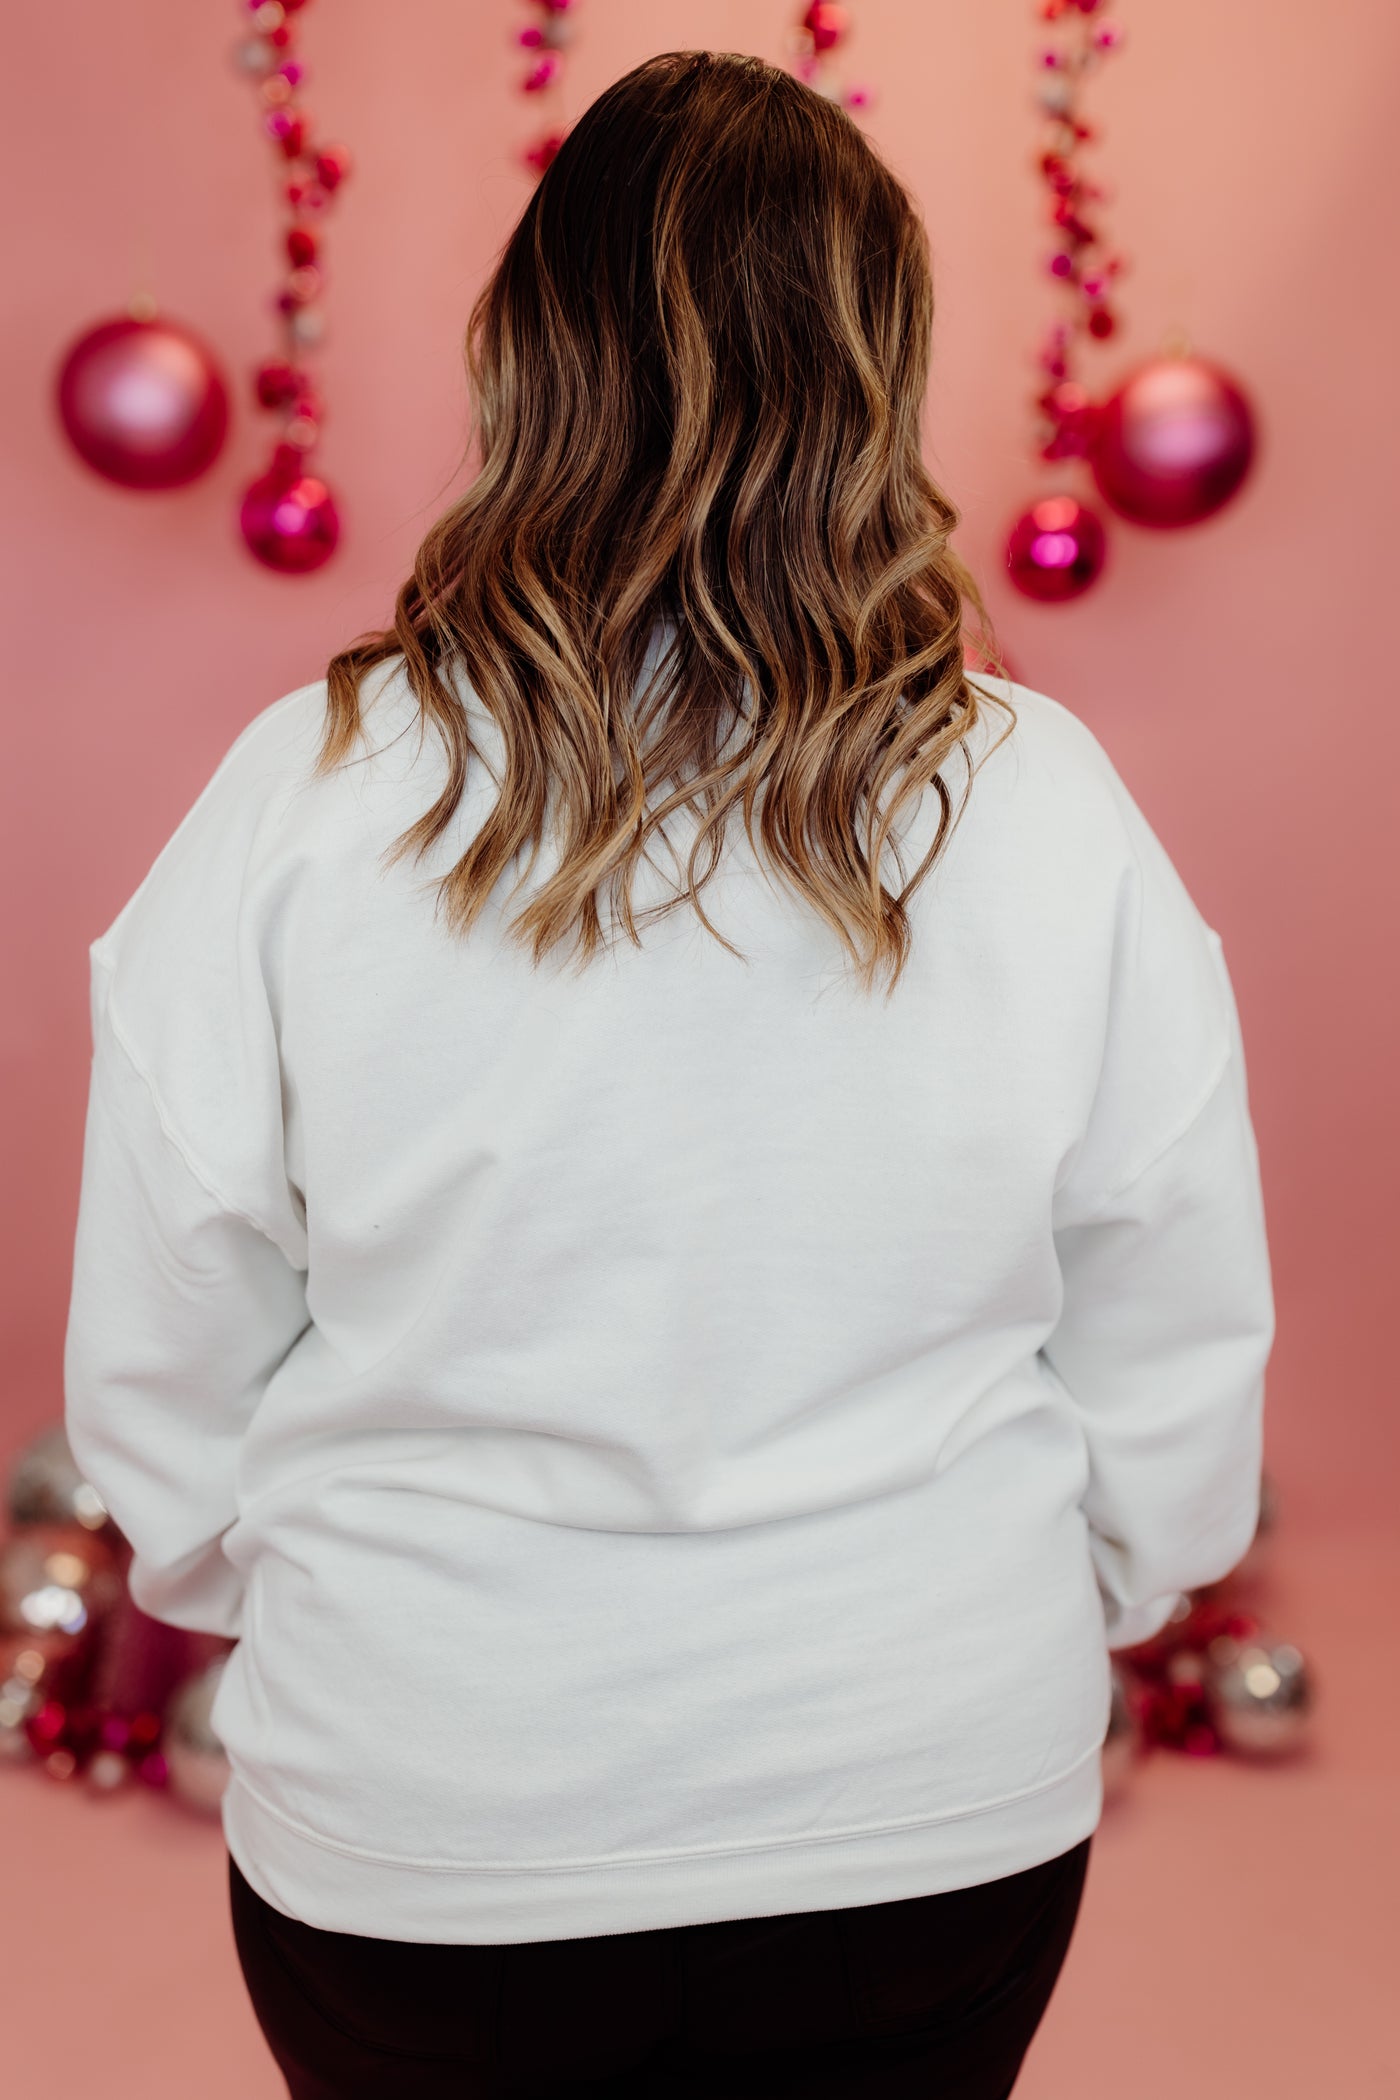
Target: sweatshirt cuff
<point>1128,1624</point>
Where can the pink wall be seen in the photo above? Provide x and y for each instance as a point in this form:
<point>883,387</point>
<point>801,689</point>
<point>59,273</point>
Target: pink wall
<point>1238,673</point>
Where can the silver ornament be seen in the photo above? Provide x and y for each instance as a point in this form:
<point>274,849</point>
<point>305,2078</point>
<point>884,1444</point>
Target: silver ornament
<point>45,1486</point>
<point>56,1580</point>
<point>108,1771</point>
<point>194,1755</point>
<point>1260,1694</point>
<point>21,1677</point>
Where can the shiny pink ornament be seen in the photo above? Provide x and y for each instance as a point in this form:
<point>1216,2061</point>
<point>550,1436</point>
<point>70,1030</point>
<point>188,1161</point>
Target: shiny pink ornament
<point>826,23</point>
<point>1055,550</point>
<point>143,402</point>
<point>289,518</point>
<point>1173,444</point>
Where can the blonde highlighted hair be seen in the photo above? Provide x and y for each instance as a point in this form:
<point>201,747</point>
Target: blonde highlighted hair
<point>697,374</point>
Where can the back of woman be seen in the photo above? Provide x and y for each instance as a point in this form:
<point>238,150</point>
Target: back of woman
<point>670,1237</point>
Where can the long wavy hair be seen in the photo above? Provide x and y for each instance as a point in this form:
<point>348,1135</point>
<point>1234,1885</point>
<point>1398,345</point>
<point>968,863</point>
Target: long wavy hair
<point>697,375</point>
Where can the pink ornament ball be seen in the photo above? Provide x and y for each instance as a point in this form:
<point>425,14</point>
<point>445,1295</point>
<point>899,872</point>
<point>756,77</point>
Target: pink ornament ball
<point>1055,550</point>
<point>289,518</point>
<point>1173,444</point>
<point>143,403</point>
<point>826,22</point>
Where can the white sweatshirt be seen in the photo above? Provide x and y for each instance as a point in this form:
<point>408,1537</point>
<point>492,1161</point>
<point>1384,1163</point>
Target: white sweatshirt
<point>672,1440</point>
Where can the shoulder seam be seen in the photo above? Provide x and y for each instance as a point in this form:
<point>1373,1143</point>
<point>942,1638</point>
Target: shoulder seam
<point>1181,1130</point>
<point>172,1137</point>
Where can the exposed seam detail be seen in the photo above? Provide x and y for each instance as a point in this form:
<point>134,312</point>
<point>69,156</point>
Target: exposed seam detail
<point>1183,1129</point>
<point>168,1131</point>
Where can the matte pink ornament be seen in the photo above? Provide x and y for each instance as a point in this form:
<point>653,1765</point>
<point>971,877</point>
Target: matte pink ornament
<point>1055,550</point>
<point>143,402</point>
<point>1173,444</point>
<point>289,518</point>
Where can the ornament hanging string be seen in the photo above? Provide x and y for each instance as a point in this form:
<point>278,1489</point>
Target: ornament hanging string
<point>289,517</point>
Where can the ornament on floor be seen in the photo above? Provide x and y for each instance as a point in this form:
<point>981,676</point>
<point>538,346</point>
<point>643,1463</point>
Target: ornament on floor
<point>142,400</point>
<point>88,1681</point>
<point>1123,1743</point>
<point>45,1486</point>
<point>288,517</point>
<point>816,42</point>
<point>195,1757</point>
<point>1173,442</point>
<point>544,39</point>
<point>1215,1678</point>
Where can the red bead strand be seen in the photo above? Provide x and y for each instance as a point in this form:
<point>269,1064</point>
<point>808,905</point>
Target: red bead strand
<point>289,517</point>
<point>820,33</point>
<point>1080,261</point>
<point>544,39</point>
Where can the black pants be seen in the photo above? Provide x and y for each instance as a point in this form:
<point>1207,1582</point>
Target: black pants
<point>937,1996</point>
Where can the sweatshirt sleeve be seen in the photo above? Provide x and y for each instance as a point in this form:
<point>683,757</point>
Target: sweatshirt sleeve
<point>181,1309</point>
<point>1167,1314</point>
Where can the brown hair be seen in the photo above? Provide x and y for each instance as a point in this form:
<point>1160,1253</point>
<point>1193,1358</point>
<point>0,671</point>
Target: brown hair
<point>698,373</point>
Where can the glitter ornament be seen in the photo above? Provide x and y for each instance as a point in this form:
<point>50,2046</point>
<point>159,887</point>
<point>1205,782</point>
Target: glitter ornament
<point>1259,1693</point>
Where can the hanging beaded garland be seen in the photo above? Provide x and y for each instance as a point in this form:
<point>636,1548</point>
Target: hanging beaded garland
<point>1081,262</point>
<point>819,35</point>
<point>1060,560</point>
<point>289,517</point>
<point>1177,438</point>
<point>544,39</point>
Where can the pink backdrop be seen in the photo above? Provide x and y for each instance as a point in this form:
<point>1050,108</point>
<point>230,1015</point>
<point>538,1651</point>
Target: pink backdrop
<point>1237,673</point>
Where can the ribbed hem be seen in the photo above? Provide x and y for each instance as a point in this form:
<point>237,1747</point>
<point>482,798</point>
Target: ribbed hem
<point>342,1890</point>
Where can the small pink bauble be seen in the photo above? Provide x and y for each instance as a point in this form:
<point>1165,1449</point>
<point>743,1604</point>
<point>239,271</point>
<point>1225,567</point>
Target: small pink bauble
<point>1056,549</point>
<point>289,518</point>
<point>143,403</point>
<point>1173,444</point>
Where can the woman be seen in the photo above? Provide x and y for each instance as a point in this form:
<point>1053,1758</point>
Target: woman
<point>674,1381</point>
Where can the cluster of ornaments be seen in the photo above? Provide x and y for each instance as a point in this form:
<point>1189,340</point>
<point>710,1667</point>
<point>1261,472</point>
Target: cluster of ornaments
<point>816,45</point>
<point>1216,1678</point>
<point>92,1690</point>
<point>544,39</point>
<point>1174,441</point>
<point>142,399</point>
